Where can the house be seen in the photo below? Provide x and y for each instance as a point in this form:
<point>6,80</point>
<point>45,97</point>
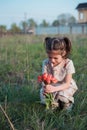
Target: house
<point>82,13</point>
<point>29,30</point>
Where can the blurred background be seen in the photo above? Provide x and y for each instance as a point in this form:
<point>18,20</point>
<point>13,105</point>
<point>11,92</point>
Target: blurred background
<point>43,17</point>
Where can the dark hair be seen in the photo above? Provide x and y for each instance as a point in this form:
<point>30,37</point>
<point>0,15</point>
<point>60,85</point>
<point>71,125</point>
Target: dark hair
<point>58,44</point>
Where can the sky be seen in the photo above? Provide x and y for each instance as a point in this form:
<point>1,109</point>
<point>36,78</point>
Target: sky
<point>15,11</point>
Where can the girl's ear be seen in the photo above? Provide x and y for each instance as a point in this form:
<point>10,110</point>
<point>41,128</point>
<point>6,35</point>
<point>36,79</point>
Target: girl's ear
<point>64,54</point>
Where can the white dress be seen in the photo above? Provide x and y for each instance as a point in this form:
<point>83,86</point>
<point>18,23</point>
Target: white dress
<point>60,72</point>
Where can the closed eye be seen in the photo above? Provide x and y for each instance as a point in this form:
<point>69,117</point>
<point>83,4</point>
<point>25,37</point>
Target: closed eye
<point>53,58</point>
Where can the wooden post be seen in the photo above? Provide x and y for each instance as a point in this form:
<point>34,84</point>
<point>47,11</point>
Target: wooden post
<point>82,29</point>
<point>70,29</point>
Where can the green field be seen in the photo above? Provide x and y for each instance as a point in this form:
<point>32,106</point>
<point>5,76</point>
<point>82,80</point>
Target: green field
<point>20,63</point>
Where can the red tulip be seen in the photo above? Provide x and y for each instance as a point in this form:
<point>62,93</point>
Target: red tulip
<point>48,81</point>
<point>39,78</point>
<point>54,80</point>
<point>44,76</point>
<point>47,78</point>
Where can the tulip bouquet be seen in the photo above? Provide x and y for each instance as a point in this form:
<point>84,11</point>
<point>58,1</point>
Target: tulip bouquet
<point>47,79</point>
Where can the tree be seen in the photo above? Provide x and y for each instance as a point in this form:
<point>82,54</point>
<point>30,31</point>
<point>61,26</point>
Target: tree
<point>66,19</point>
<point>55,23</point>
<point>31,23</point>
<point>15,28</point>
<point>72,20</point>
<point>24,26</point>
<point>44,24</point>
<point>3,29</point>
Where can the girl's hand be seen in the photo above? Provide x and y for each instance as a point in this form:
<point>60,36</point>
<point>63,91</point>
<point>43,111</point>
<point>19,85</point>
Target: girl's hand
<point>49,89</point>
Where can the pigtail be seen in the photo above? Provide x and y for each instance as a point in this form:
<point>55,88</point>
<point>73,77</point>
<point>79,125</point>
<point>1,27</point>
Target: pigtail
<point>68,44</point>
<point>47,43</point>
<point>47,39</point>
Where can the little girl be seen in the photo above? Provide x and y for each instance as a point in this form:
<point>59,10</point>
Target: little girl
<point>61,67</point>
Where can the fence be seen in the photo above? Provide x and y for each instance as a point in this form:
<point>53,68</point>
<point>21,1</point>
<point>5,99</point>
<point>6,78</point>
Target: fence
<point>72,29</point>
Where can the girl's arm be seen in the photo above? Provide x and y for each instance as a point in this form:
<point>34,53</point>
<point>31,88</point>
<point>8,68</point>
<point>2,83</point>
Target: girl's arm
<point>63,86</point>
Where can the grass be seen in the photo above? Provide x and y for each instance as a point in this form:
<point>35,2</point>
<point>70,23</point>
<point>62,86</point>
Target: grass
<point>20,64</point>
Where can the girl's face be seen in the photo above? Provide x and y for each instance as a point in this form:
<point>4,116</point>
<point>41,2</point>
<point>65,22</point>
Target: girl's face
<point>54,58</point>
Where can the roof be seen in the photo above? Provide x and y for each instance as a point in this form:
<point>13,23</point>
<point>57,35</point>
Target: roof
<point>82,6</point>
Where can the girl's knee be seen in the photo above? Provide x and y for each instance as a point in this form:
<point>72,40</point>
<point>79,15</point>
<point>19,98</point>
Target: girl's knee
<point>63,99</point>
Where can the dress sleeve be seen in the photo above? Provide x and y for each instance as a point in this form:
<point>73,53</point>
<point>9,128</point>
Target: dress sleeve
<point>70,69</point>
<point>44,66</point>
